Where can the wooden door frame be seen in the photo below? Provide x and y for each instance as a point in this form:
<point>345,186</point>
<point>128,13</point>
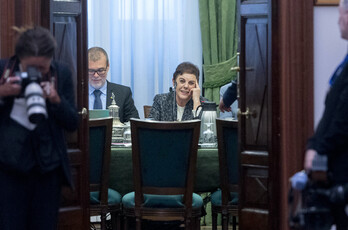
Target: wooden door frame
<point>292,101</point>
<point>292,87</point>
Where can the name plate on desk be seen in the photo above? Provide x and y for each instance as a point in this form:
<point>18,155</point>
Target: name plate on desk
<point>207,145</point>
<point>122,145</point>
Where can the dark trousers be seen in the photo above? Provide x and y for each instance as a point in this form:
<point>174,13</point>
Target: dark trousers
<point>29,201</point>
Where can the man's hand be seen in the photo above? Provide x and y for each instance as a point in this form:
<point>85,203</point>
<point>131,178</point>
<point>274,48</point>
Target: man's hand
<point>309,156</point>
<point>223,107</point>
<point>11,87</point>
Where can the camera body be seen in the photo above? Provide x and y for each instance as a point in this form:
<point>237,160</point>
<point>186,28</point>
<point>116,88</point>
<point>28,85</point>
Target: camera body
<point>312,197</point>
<point>33,94</point>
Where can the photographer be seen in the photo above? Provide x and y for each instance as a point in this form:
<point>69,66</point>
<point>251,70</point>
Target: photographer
<point>331,135</point>
<point>36,105</point>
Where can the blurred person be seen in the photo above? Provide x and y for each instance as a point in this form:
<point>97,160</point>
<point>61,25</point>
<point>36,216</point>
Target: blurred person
<point>181,103</point>
<point>234,106</point>
<point>98,68</point>
<point>228,97</point>
<point>33,153</point>
<point>331,135</point>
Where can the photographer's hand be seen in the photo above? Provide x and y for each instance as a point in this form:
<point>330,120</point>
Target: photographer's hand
<point>10,87</point>
<point>50,92</point>
<point>310,154</point>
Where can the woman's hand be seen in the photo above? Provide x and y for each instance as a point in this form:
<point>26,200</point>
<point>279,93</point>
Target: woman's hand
<point>50,92</point>
<point>11,87</point>
<point>196,93</point>
<point>223,108</point>
<point>310,154</point>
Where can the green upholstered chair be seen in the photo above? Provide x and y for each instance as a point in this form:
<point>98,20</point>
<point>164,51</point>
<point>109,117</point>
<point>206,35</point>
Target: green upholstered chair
<point>103,200</point>
<point>225,200</point>
<point>164,162</point>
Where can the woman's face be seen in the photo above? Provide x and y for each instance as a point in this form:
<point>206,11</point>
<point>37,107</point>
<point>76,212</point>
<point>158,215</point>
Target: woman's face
<point>185,83</point>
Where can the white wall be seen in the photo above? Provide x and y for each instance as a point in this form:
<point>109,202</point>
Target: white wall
<point>329,51</point>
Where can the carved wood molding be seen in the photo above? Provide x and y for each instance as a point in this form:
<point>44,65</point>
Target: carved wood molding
<point>6,20</point>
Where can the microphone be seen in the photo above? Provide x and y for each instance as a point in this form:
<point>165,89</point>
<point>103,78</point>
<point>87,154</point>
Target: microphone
<point>172,88</point>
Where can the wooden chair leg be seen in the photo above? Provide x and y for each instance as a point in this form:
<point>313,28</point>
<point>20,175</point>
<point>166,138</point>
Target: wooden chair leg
<point>114,220</point>
<point>103,221</point>
<point>125,223</point>
<point>214,220</point>
<point>224,221</point>
<point>234,222</point>
<point>188,224</point>
<point>118,219</point>
<point>137,223</point>
<point>198,223</point>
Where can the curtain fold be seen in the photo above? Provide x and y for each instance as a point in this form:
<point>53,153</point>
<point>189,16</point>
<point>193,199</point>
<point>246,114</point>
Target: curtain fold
<point>218,19</point>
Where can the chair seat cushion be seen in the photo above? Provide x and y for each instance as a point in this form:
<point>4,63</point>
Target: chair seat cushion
<point>162,201</point>
<point>113,197</point>
<point>216,198</point>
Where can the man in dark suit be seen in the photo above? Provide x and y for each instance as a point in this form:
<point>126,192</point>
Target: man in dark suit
<point>331,135</point>
<point>100,90</point>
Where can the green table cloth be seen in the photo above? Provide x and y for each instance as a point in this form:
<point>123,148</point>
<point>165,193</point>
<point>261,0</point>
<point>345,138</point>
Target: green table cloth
<point>121,172</point>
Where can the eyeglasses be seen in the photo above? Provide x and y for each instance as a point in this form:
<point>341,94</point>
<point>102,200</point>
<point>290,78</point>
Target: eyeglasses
<point>100,71</point>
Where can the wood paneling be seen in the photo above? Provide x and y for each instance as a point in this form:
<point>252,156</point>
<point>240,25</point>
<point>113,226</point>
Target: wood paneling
<point>16,13</point>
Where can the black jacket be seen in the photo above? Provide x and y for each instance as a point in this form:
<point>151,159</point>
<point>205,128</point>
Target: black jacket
<point>123,98</point>
<point>331,135</point>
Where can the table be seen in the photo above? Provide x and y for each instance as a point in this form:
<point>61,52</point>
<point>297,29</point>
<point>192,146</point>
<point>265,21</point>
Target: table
<point>121,171</point>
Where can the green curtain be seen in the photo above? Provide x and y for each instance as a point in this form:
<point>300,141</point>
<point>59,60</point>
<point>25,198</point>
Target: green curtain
<point>218,19</point>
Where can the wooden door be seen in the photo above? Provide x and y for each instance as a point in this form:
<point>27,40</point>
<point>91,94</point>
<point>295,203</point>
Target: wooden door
<point>254,115</point>
<point>67,21</point>
<point>276,105</point>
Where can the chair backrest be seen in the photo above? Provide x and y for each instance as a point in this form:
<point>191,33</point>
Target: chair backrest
<point>100,131</point>
<point>227,134</point>
<point>164,158</point>
<point>147,109</point>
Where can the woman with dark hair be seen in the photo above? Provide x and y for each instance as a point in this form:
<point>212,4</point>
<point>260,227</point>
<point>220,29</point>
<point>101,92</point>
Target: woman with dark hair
<point>36,105</point>
<point>181,103</point>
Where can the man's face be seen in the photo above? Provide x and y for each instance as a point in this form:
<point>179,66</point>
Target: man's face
<point>97,72</point>
<point>343,21</point>
<point>41,63</point>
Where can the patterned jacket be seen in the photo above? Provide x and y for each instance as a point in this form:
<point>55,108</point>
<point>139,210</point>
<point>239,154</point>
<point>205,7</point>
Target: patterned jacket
<point>164,108</point>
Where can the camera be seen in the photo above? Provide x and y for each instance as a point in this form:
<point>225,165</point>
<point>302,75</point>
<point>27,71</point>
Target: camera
<point>312,196</point>
<point>33,94</point>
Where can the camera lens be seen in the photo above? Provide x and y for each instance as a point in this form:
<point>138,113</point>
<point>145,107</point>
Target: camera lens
<point>36,104</point>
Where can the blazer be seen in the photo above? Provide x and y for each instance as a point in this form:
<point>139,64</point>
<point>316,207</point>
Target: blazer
<point>123,98</point>
<point>331,135</point>
<point>43,148</point>
<point>164,108</point>
<point>230,94</point>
